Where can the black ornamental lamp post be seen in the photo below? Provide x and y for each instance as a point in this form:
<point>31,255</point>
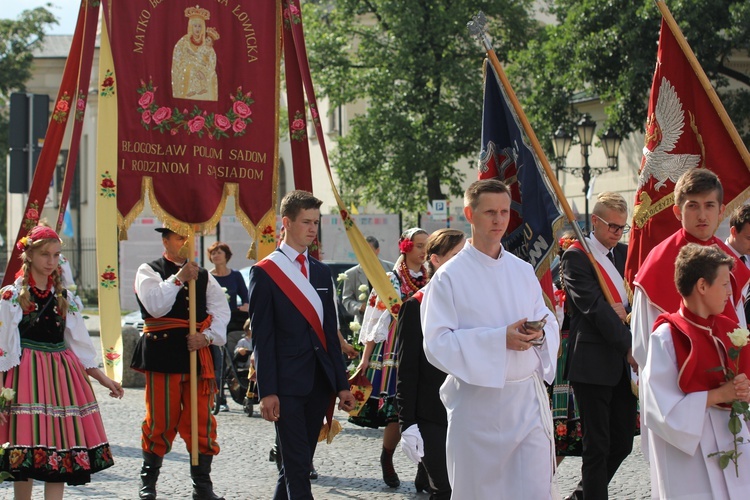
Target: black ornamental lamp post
<point>561,142</point>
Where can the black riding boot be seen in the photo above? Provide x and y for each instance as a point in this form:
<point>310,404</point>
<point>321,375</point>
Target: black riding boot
<point>149,475</point>
<point>203,488</point>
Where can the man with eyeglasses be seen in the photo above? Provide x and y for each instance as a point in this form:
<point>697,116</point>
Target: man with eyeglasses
<point>599,356</point>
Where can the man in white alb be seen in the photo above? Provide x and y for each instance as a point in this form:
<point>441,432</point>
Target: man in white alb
<point>473,313</point>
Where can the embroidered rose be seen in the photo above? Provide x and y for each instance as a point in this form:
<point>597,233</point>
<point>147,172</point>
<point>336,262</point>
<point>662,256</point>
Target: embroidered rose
<point>67,462</point>
<point>344,214</point>
<point>112,356</point>
<point>238,125</point>
<point>54,460</point>
<point>359,395</point>
<point>7,294</point>
<point>80,104</point>
<point>82,459</point>
<point>222,122</point>
<point>146,99</point>
<point>109,276</point>
<point>298,124</point>
<point>106,183</point>
<point>293,9</point>
<point>196,124</point>
<point>16,458</point>
<point>32,213</point>
<point>162,114</point>
<point>146,116</point>
<point>395,308</point>
<point>62,106</point>
<point>371,302</point>
<point>108,82</point>
<point>40,458</point>
<point>561,429</point>
<point>241,109</point>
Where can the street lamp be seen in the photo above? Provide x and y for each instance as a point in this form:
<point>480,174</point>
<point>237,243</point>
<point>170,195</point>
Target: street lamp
<point>561,142</point>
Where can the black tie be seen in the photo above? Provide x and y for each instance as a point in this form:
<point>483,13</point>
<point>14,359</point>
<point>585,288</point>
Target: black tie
<point>611,257</point>
<point>743,259</point>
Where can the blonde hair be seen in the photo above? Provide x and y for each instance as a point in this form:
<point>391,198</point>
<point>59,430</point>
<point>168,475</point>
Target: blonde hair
<point>24,296</point>
<point>612,201</point>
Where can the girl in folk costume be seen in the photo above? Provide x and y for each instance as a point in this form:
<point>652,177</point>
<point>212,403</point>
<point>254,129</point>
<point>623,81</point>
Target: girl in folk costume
<point>686,389</point>
<point>422,416</point>
<point>52,426</point>
<point>379,358</point>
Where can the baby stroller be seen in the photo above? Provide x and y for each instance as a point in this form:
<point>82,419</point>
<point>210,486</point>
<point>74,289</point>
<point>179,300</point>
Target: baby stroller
<point>235,378</point>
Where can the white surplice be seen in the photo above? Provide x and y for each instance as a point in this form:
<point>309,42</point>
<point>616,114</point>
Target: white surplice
<point>683,432</point>
<point>499,421</point>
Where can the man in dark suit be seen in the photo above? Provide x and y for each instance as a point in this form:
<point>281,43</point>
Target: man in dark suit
<point>599,351</point>
<point>297,354</point>
<point>739,241</point>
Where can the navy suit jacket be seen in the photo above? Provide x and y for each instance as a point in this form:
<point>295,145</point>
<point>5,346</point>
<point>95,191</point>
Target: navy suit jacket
<point>286,347</point>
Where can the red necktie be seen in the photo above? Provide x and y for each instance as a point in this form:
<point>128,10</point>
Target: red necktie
<point>301,259</point>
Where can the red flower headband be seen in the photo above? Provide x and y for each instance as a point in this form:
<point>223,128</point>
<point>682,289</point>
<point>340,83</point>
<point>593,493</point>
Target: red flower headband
<point>566,242</point>
<point>405,246</point>
<point>36,233</point>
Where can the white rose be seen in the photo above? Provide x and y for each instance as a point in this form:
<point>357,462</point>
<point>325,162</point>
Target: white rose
<point>362,297</point>
<point>7,394</point>
<point>341,277</point>
<point>363,288</point>
<point>739,337</point>
<point>355,327</point>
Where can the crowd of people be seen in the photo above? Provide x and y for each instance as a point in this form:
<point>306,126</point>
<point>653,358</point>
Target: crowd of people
<point>468,375</point>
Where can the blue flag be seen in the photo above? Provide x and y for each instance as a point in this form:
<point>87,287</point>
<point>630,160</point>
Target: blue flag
<point>535,217</point>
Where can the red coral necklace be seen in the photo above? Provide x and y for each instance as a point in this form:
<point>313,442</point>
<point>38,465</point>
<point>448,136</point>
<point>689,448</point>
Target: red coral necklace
<point>42,294</point>
<point>409,285</point>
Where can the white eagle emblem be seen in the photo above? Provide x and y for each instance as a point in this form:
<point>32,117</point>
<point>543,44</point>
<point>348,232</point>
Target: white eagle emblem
<point>663,130</point>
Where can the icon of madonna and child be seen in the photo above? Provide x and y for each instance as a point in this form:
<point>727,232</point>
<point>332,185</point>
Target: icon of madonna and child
<point>194,60</point>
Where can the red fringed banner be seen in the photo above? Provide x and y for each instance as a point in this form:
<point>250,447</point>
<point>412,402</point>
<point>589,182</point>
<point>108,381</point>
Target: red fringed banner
<point>197,99</point>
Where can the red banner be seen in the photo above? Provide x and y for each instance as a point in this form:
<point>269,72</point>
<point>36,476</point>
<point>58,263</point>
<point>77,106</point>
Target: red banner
<point>683,130</point>
<point>197,90</point>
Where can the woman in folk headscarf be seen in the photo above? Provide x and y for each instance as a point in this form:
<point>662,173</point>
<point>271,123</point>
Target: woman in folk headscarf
<point>379,358</point>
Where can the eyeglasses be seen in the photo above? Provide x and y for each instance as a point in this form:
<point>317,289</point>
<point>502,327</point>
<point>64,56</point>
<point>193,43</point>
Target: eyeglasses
<point>614,228</point>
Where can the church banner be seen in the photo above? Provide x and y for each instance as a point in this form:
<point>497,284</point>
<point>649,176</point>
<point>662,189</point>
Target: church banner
<point>684,130</point>
<point>534,218</point>
<point>197,109</point>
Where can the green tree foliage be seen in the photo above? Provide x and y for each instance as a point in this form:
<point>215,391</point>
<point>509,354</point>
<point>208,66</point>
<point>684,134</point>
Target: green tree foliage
<point>607,48</point>
<point>18,38</point>
<point>419,73</point>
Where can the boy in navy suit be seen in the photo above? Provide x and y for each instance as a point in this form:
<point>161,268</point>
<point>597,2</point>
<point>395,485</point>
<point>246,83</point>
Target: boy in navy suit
<point>299,367</point>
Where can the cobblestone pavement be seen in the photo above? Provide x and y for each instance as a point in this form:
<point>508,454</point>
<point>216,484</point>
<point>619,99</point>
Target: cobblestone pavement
<point>348,468</point>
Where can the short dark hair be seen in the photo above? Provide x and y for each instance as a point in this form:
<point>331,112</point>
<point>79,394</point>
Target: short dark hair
<point>740,217</point>
<point>296,201</point>
<point>440,243</point>
<point>221,246</point>
<point>471,196</point>
<point>373,241</point>
<point>697,261</point>
<point>697,181</point>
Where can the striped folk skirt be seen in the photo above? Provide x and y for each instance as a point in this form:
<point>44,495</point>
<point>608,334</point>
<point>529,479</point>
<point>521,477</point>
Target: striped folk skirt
<point>54,430</point>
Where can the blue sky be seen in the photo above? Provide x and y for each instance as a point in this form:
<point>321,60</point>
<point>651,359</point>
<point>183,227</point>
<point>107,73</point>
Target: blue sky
<point>66,12</point>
